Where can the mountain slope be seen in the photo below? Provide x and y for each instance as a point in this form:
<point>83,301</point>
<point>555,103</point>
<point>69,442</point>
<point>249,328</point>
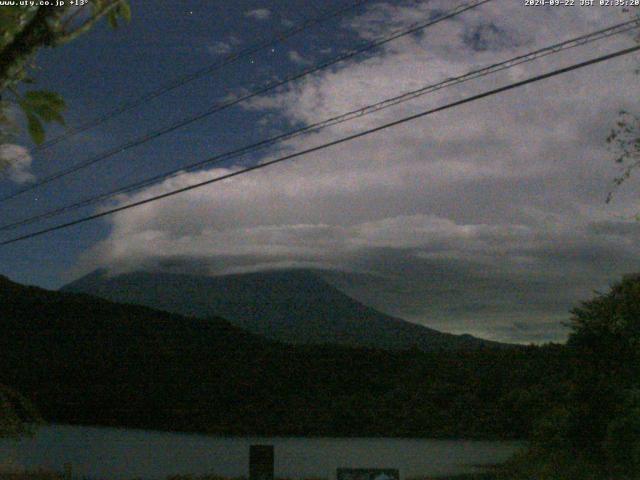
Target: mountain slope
<point>292,306</point>
<point>85,360</point>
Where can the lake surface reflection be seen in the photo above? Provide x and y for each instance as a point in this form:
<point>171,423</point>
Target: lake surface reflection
<point>126,454</point>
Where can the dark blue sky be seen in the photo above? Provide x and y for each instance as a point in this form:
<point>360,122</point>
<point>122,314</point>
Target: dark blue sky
<point>488,219</point>
<point>107,68</point>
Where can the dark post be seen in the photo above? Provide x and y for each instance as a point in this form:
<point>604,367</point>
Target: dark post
<point>68,472</point>
<point>261,462</point>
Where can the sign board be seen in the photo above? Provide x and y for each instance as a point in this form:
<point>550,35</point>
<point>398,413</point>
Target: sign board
<point>368,474</point>
<point>261,462</point>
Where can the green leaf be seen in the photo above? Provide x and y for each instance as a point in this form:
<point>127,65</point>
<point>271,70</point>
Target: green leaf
<point>124,10</point>
<point>45,97</point>
<point>112,17</point>
<point>36,130</point>
<point>48,114</point>
<point>44,104</point>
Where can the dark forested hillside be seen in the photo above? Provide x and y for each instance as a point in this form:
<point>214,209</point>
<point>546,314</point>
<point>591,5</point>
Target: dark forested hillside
<point>85,360</point>
<point>291,306</point>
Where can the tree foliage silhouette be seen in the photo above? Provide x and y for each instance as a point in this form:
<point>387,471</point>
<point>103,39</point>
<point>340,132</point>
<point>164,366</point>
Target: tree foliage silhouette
<point>24,31</point>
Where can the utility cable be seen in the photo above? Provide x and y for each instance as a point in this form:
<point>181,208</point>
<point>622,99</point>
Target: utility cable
<point>254,93</point>
<point>324,146</point>
<point>348,116</point>
<point>232,58</point>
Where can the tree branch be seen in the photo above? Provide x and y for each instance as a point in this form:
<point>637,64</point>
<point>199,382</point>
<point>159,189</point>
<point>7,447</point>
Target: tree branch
<point>70,18</point>
<point>68,36</point>
<point>36,33</point>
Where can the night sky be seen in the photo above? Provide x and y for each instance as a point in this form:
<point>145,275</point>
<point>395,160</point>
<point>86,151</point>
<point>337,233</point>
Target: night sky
<point>488,219</point>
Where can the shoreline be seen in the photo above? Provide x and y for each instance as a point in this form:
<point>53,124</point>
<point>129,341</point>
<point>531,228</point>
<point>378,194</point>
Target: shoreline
<point>245,435</point>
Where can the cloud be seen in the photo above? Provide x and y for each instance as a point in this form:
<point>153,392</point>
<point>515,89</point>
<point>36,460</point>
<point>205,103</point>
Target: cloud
<point>295,57</point>
<point>17,161</point>
<point>224,48</point>
<point>481,219</point>
<point>259,14</point>
<point>220,48</point>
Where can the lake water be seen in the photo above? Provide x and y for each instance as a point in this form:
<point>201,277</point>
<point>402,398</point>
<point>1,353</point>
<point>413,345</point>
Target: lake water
<point>125,454</point>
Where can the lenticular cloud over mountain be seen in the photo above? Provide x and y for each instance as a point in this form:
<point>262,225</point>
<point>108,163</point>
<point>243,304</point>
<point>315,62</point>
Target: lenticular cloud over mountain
<point>469,220</point>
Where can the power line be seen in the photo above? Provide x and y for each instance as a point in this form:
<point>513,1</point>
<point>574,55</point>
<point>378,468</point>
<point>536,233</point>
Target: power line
<point>353,114</point>
<point>264,89</point>
<point>185,79</point>
<point>339,141</point>
<point>260,91</point>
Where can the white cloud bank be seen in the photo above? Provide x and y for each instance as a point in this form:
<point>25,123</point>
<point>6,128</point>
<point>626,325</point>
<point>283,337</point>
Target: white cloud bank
<point>489,218</point>
<point>224,47</point>
<point>15,163</point>
<point>259,14</point>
